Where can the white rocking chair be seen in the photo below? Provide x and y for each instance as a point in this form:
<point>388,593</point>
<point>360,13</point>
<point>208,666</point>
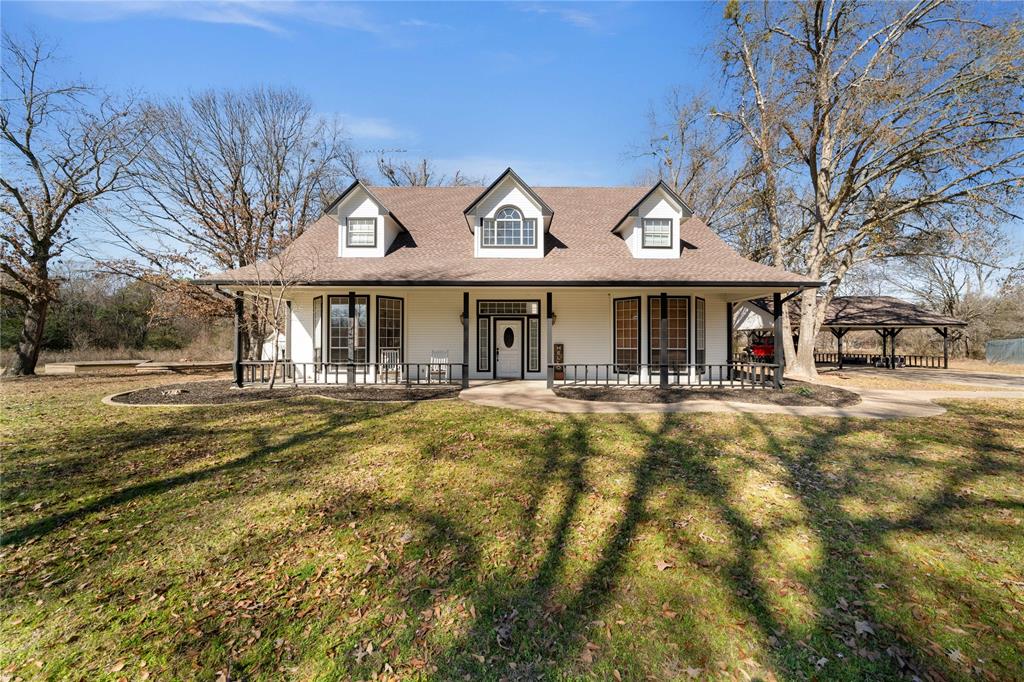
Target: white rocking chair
<point>438,368</point>
<point>390,366</point>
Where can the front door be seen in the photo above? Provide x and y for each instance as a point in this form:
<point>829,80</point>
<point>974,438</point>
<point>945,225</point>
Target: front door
<point>508,350</point>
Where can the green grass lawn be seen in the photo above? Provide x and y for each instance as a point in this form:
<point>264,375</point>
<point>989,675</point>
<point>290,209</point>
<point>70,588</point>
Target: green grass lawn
<point>310,539</point>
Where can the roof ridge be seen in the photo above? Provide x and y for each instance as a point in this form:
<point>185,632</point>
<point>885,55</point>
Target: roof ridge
<point>468,187</point>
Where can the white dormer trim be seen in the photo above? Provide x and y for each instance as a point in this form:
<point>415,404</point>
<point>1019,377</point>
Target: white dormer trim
<point>357,204</point>
<point>659,208</point>
<point>508,191</point>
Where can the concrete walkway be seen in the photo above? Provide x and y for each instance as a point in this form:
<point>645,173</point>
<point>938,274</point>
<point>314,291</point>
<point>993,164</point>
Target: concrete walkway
<point>875,403</point>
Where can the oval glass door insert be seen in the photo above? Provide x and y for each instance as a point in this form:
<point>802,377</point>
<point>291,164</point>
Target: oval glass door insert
<point>509,337</point>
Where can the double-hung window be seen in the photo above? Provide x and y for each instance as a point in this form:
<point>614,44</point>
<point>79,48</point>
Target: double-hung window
<point>657,233</point>
<point>361,232</point>
<point>508,227</point>
<point>626,324</point>
<point>389,329</point>
<point>347,330</point>
<point>677,315</point>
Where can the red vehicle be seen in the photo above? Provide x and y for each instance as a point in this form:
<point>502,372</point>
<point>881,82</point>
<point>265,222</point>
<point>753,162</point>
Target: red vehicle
<point>763,349</point>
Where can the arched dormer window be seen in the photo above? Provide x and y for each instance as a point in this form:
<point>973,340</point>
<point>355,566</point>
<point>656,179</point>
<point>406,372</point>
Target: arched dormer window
<point>509,228</point>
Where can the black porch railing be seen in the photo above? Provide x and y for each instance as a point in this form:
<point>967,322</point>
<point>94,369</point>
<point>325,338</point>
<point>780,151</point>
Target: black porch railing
<point>879,360</point>
<point>355,373</point>
<point>731,374</point>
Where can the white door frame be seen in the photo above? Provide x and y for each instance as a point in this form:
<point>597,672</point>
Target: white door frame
<point>519,325</point>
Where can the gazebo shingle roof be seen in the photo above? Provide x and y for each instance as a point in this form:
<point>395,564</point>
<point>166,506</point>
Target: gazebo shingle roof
<point>875,312</point>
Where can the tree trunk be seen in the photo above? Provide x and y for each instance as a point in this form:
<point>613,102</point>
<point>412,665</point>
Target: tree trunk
<point>801,364</point>
<point>273,366</point>
<point>26,354</point>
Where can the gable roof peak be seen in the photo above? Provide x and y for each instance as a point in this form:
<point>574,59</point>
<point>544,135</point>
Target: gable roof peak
<point>659,185</point>
<point>545,210</point>
<point>357,183</point>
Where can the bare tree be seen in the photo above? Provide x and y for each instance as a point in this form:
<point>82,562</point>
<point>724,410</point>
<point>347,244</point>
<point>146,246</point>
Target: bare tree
<point>229,180</point>
<point>273,282</point>
<point>890,113</point>
<point>693,151</point>
<point>421,173</point>
<point>65,146</point>
<point>966,283</point>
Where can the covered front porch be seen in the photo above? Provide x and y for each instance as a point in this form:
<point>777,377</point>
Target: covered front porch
<point>424,335</point>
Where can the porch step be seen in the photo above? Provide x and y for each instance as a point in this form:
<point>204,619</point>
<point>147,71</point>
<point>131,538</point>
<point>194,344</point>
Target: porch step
<point>87,366</point>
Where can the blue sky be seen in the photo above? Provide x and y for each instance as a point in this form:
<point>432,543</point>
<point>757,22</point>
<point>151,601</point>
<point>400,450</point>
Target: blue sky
<point>558,91</point>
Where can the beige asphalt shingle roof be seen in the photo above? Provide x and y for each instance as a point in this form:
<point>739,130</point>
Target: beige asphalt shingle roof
<point>580,247</point>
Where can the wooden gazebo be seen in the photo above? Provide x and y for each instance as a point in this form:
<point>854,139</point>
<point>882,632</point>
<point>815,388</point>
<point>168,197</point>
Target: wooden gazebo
<point>887,316</point>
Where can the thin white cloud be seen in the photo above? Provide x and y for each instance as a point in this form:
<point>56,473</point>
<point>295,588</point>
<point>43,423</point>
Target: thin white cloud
<point>567,13</point>
<point>421,23</point>
<point>272,16</point>
<point>366,128</point>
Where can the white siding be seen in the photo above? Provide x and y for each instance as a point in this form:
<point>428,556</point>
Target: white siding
<point>583,324</point>
<point>432,323</point>
<point>302,326</point>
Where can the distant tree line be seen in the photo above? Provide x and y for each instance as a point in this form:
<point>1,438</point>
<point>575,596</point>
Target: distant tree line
<point>96,311</point>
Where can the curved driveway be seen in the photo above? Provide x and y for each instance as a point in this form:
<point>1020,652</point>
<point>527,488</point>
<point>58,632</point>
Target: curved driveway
<point>875,403</point>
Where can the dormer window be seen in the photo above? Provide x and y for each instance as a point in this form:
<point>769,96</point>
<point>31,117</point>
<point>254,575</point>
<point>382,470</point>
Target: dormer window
<point>657,233</point>
<point>509,228</point>
<point>361,232</point>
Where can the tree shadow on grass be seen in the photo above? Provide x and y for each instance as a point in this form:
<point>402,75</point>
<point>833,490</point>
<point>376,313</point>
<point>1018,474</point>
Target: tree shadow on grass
<point>851,637</point>
<point>529,626</point>
<point>306,609</point>
<point>262,447</point>
<point>534,625</point>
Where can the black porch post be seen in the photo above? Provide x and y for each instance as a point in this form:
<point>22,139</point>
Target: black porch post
<point>892,349</point>
<point>779,350</point>
<point>885,344</point>
<point>465,339</point>
<point>550,341</point>
<point>239,331</point>
<point>728,337</point>
<point>350,369</point>
<point>945,348</point>
<point>663,339</point>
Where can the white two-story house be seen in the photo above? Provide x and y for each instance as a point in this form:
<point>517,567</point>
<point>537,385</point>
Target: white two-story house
<point>414,284</point>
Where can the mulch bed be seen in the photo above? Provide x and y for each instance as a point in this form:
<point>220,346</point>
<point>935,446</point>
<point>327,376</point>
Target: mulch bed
<point>794,393</point>
<point>224,393</point>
